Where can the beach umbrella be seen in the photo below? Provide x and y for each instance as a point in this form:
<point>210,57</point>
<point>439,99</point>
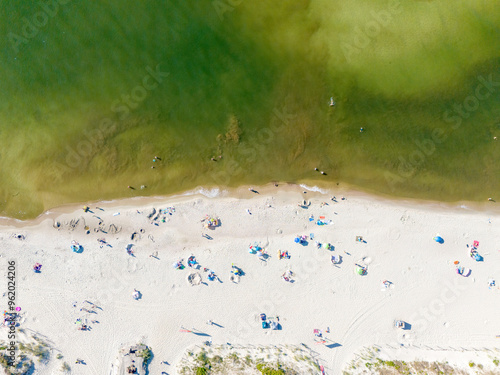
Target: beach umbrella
<point>297,240</point>
<point>478,257</point>
<point>438,239</point>
<point>360,270</point>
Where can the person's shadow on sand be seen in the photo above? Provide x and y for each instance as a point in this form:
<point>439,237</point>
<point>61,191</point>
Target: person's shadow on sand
<point>407,327</point>
<point>333,345</point>
<point>201,334</point>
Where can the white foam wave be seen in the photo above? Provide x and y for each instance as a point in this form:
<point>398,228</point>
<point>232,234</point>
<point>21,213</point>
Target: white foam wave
<point>209,193</point>
<point>314,188</point>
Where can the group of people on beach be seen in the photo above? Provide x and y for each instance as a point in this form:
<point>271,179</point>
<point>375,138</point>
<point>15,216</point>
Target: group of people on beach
<point>82,323</point>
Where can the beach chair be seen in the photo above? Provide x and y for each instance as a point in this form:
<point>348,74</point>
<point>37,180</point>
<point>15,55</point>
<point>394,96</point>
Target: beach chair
<point>136,295</point>
<point>399,324</point>
<point>178,265</point>
<point>304,204</point>
<point>76,247</point>
<point>361,270</point>
<point>236,271</point>
<point>465,272</point>
<point>475,255</point>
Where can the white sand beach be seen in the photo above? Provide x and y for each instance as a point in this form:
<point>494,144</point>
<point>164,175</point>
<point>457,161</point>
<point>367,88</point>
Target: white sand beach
<point>447,315</point>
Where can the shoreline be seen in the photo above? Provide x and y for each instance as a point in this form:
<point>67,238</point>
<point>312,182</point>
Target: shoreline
<point>241,192</point>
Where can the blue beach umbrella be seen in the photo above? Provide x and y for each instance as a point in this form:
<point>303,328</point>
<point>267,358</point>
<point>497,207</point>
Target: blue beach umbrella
<point>438,239</point>
<point>478,257</point>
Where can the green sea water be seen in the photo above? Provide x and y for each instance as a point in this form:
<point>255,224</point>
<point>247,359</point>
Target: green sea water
<point>92,92</point>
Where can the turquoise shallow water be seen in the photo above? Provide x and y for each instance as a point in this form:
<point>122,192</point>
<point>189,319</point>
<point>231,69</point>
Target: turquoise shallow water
<point>91,93</point>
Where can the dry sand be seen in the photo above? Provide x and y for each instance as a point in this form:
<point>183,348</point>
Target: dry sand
<point>442,308</point>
